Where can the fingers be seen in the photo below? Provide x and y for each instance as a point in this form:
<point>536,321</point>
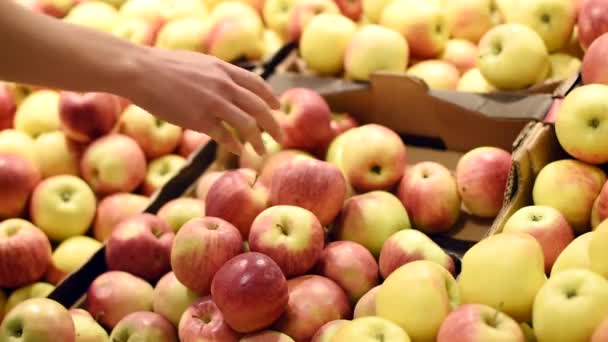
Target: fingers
<point>218,132</point>
<point>257,108</point>
<point>253,83</point>
<point>245,124</point>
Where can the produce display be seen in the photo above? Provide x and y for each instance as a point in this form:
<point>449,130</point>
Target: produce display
<point>330,235</point>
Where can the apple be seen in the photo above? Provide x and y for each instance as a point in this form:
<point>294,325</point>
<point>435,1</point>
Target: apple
<point>576,255</point>
<point>422,23</point>
<point>581,113</point>
<point>56,155</point>
<point>262,294</point>
<point>601,206</point>
<point>34,290</point>
<point>596,250</point>
<point>87,330</point>
<point>25,253</point>
<point>144,9</point>
<point>182,34</point>
<point>592,21</point>
<point>461,53</point>
<point>114,208</point>
<point>600,333</point>
<point>303,11</point>
<point>328,331</point>
<point>200,248</point>
<point>144,326</point>
<point>8,106</point>
<point>18,178</point>
<point>324,42</point>
<point>469,19</point>
<point>553,20</point>
<point>366,306</point>
<point>275,161</point>
<point>500,51</point>
<point>39,320</point>
<point>237,198</point>
<point>94,14</point>
<point>86,117</point>
<point>375,48</point>
<point>301,181</point>
<point>266,336</point>
<point>139,31</point>
<point>478,322</point>
<point>112,164</point>
<point>203,321</point>
<point>370,329</point>
<point>63,206</point>
<point>18,143</point>
<point>351,266</point>
<point>191,141</point>
<point>249,159</point>
<point>141,245</point>
<point>172,298</point>
<point>53,8</point>
<point>156,137</point>
<point>578,184</point>
<point>430,195</point>
<point>180,210</point>
<point>276,15</point>
<point>564,66</point>
<point>409,245</point>
<point>474,82</point>
<point>580,292</point>
<point>160,171</point>
<point>482,176</point>
<point>370,219</point>
<point>305,118</point>
<point>38,113</point>
<point>372,10</point>
<point>428,285</point>
<point>484,279</point>
<point>313,301</point>
<point>436,74</point>
<point>115,294</point>
<point>205,182</point>
<point>186,8</point>
<point>70,255</point>
<point>292,236</point>
<point>547,225</point>
<point>573,47</point>
<point>593,71</point>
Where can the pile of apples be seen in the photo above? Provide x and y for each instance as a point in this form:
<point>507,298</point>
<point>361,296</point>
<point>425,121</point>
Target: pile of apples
<point>466,45</point>
<point>291,244</point>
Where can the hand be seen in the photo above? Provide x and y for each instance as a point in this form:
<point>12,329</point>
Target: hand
<point>203,93</point>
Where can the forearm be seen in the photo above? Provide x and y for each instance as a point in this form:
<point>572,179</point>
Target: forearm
<point>43,51</point>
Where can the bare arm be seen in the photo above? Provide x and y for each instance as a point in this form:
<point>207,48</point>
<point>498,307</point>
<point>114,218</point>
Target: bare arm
<point>189,89</point>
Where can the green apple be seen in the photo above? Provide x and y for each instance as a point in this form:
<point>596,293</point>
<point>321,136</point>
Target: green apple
<point>324,42</point>
<point>87,330</point>
<point>38,320</point>
<point>576,255</point>
<point>16,142</point>
<point>371,218</point>
<point>156,137</point>
<point>171,298</point>
<point>578,185</point>
<point>474,82</point>
<point>375,48</point>
<point>500,53</point>
<point>469,19</point>
<point>563,66</point>
<point>63,206</point>
<point>55,155</point>
<point>486,279</point>
<point>372,9</point>
<point>94,14</point>
<point>578,124</point>
<point>370,329</point>
<point>554,20</point>
<point>38,113</point>
<point>160,171</point>
<point>70,255</point>
<point>182,34</point>
<point>35,290</point>
<point>570,305</point>
<point>413,288</point>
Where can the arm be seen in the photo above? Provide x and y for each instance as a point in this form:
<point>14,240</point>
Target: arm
<point>189,89</point>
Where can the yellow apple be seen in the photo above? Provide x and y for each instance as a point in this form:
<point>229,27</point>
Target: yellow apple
<point>16,142</point>
<point>437,74</point>
<point>70,255</point>
<point>38,113</point>
<point>55,156</point>
<point>563,65</point>
<point>94,14</point>
<point>372,9</point>
<point>474,82</point>
<point>370,329</point>
<point>575,255</point>
<point>35,290</point>
<point>598,253</point>
<point>182,34</point>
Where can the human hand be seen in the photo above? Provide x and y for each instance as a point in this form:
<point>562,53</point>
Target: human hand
<point>201,92</point>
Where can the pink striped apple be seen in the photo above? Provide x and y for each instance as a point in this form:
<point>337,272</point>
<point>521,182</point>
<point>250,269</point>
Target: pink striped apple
<point>85,117</point>
<point>477,323</point>
<point>115,208</point>
<point>18,178</point>
<point>203,321</point>
<point>144,326</point>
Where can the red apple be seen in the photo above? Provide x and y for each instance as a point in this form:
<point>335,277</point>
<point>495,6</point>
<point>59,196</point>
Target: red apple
<point>352,9</point>
<point>481,175</point>
<point>115,294</point>
<point>313,301</point>
<point>429,193</point>
<point>477,323</point>
<point>461,53</point>
<point>261,297</point>
<point>328,331</point>
<point>275,161</point>
<point>115,208</point>
<point>141,245</point>
<point>593,68</point>
<point>342,122</point>
<point>601,204</point>
<point>600,333</point>
<point>18,178</point>
<point>39,320</point>
<point>351,266</point>
<point>311,184</point>
<point>302,12</point>
<point>290,235</point>
<point>205,182</point>
<point>181,210</point>
<point>305,118</point>
<point>191,141</point>
<point>266,336</point>
<point>236,198</point>
<point>366,306</point>
<point>144,326</point>
<point>8,107</point>
<point>25,253</point>
<point>113,163</point>
<point>592,21</point>
<point>200,248</point>
<point>86,117</point>
<point>203,321</point>
<point>553,110</point>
